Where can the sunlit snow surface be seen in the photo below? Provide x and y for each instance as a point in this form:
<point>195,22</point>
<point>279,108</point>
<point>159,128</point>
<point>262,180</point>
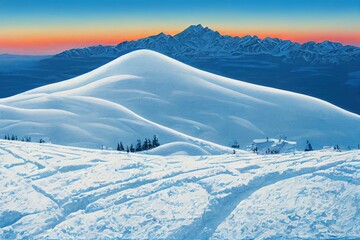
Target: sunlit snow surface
<point>50,191</point>
<point>145,93</point>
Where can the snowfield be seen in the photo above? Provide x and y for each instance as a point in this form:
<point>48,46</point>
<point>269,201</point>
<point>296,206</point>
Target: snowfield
<point>51,191</point>
<point>190,187</point>
<point>145,93</point>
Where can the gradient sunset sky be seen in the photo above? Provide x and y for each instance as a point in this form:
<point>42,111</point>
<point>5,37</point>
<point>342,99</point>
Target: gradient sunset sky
<point>50,26</point>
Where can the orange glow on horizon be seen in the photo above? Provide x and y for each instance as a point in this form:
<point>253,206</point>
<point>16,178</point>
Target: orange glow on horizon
<point>52,42</point>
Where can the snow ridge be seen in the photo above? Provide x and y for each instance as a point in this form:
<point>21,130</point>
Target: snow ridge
<point>145,93</point>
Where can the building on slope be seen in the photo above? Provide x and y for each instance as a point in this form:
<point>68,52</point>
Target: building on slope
<point>272,146</point>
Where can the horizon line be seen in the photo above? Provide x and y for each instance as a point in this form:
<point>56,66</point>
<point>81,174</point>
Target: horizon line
<point>172,35</point>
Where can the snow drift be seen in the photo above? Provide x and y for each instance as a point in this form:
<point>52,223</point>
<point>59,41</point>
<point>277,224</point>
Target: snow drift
<point>145,93</point>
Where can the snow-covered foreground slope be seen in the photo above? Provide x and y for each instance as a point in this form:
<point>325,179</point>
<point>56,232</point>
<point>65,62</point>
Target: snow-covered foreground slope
<point>145,93</point>
<point>49,191</point>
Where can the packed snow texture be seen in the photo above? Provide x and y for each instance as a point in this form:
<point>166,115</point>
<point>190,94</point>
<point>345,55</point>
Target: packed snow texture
<point>145,93</point>
<point>50,191</point>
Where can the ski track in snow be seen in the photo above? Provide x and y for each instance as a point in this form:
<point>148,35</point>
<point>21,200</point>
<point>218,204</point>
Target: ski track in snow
<point>50,191</point>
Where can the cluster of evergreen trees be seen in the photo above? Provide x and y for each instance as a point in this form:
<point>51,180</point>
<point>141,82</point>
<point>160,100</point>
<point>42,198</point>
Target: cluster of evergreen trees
<point>12,138</point>
<point>235,144</point>
<point>147,144</point>
<point>15,138</point>
<point>336,147</point>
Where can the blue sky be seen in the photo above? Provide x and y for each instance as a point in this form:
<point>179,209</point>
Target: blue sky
<point>41,26</point>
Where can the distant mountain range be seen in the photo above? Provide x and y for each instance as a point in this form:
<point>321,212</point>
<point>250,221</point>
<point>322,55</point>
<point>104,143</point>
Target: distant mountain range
<point>326,70</point>
<point>198,41</point>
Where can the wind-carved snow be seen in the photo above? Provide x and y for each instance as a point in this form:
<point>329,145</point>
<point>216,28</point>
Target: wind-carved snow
<point>145,93</point>
<point>50,191</point>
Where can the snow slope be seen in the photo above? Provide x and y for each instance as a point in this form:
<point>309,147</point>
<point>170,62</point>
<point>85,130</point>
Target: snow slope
<point>56,192</point>
<point>145,93</point>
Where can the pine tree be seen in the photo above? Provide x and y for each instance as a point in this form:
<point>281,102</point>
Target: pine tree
<point>149,144</point>
<point>122,147</point>
<point>118,147</point>
<point>13,137</point>
<point>337,148</point>
<point>138,146</point>
<point>145,145</point>
<point>155,142</point>
<point>308,146</point>
<point>132,149</point>
<point>127,149</point>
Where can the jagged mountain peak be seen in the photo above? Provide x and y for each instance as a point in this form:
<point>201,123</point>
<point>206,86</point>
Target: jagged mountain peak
<point>162,35</point>
<point>197,40</point>
<point>196,31</point>
<point>195,28</point>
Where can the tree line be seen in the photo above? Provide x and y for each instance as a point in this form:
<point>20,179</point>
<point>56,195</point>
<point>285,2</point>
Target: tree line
<point>140,145</point>
<point>15,138</point>
<point>148,144</point>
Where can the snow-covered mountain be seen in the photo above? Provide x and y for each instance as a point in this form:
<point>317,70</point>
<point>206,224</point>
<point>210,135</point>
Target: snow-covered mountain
<point>327,70</point>
<point>199,41</point>
<point>145,93</point>
<point>56,192</point>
